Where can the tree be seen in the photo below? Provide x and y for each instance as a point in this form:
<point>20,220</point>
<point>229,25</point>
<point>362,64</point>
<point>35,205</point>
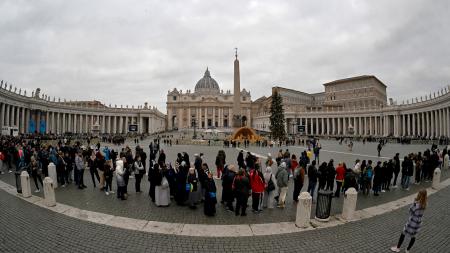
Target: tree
<point>277,118</point>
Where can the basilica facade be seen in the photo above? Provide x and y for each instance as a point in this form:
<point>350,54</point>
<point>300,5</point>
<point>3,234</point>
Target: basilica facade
<point>208,106</point>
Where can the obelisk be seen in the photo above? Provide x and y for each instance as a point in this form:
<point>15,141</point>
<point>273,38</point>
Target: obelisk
<point>237,122</point>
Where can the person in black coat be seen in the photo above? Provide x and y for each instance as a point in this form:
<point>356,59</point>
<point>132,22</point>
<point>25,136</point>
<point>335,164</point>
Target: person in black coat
<point>331,174</point>
<point>242,188</point>
<point>227,186</point>
<point>240,159</point>
<point>396,169</point>
<point>377,178</point>
<point>210,196</point>
<point>180,179</point>
<point>323,168</point>
<point>155,177</point>
<point>162,158</point>
<point>388,169</point>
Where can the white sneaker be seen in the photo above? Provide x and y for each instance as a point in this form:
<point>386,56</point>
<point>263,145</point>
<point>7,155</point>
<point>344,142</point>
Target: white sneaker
<point>63,186</point>
<point>37,190</point>
<point>9,171</point>
<point>112,192</point>
<point>107,193</point>
<point>395,249</point>
<point>407,189</point>
<point>383,191</point>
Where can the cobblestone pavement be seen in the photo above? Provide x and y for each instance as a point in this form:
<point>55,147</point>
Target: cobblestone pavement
<point>140,207</point>
<point>29,228</point>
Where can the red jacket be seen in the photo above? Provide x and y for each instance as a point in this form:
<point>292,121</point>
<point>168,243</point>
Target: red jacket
<point>340,173</point>
<point>256,182</point>
<point>294,165</point>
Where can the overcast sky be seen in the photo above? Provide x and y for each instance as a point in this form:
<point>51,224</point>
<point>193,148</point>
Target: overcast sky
<point>131,52</point>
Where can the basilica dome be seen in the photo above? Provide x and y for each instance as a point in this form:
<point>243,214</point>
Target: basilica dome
<point>207,84</point>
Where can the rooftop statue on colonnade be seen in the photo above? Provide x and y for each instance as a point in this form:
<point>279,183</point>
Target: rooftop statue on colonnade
<point>37,93</point>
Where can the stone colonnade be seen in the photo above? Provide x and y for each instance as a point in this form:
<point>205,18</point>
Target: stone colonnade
<point>431,123</point>
<point>36,115</point>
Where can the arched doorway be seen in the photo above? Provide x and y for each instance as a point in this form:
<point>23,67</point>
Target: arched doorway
<point>174,122</point>
<point>244,121</point>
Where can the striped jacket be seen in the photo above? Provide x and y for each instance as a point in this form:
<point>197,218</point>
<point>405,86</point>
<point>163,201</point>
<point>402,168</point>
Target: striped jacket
<point>415,219</point>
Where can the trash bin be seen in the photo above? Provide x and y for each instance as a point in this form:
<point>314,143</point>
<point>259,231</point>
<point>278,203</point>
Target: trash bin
<point>323,206</point>
<point>18,182</point>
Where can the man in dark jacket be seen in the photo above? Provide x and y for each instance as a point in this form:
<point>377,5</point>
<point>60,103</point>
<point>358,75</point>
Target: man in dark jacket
<point>227,186</point>
<point>396,169</point>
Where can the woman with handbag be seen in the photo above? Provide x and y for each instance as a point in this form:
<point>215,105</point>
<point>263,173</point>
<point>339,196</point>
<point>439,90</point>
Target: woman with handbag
<point>36,173</point>
<point>209,207</point>
<point>193,188</point>
<point>270,189</point>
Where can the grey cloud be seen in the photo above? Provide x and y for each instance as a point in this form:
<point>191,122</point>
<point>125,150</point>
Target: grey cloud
<point>130,52</point>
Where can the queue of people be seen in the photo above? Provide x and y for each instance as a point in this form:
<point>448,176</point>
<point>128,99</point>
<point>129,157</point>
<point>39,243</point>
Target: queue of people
<point>193,183</point>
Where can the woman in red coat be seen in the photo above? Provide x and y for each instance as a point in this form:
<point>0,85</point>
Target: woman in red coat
<point>257,184</point>
<point>340,175</point>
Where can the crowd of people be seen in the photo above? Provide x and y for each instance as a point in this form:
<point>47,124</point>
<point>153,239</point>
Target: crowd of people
<point>189,181</point>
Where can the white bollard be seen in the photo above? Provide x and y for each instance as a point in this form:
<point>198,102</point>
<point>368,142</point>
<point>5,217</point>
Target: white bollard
<point>348,209</point>
<point>303,217</point>
<point>436,179</point>
<point>52,174</point>
<point>25,184</point>
<point>49,192</point>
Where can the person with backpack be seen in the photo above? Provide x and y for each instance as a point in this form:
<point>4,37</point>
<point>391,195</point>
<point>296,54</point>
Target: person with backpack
<point>227,186</point>
<point>367,178</point>
<point>316,150</point>
<point>282,177</point>
<point>299,179</point>
<point>270,188</point>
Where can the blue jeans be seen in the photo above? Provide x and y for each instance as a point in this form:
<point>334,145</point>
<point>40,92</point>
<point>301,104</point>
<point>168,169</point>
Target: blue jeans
<point>312,188</point>
<point>405,181</point>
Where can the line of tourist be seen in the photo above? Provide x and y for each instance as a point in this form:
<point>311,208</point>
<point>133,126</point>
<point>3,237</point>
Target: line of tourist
<point>191,183</point>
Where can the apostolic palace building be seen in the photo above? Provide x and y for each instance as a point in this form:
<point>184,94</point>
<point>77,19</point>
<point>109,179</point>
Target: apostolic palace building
<point>355,106</point>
